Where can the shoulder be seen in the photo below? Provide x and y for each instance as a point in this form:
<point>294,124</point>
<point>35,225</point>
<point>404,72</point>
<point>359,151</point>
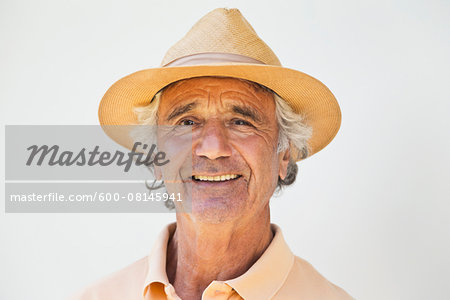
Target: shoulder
<point>126,283</point>
<point>305,282</point>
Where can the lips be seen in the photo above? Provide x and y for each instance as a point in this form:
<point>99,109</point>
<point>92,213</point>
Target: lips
<point>223,177</point>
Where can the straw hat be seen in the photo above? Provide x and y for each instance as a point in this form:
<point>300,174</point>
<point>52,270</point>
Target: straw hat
<point>223,43</point>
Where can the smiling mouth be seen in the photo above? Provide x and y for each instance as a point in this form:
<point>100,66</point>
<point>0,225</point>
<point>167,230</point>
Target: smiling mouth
<point>225,177</point>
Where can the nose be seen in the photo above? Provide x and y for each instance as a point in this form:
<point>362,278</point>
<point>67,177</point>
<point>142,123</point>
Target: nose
<point>213,141</point>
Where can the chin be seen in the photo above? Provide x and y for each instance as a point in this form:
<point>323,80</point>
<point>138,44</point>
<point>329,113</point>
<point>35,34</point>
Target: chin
<point>216,210</point>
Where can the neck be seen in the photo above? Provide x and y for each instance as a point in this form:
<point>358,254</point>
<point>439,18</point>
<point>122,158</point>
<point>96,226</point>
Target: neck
<point>199,253</point>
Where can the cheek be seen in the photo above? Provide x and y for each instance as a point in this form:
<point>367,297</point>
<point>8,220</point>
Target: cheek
<point>261,157</point>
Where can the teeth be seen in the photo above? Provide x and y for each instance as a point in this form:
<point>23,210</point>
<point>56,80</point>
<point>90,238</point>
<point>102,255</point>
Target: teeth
<point>216,178</point>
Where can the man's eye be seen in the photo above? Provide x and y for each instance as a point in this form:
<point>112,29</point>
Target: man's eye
<point>241,122</point>
<point>186,122</point>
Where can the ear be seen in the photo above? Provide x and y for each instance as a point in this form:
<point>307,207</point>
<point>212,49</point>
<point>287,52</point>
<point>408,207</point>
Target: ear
<point>284,162</point>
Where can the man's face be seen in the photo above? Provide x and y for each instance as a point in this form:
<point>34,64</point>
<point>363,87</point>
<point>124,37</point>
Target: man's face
<point>234,138</point>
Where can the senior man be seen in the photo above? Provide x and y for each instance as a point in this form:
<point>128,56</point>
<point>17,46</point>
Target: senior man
<point>250,121</point>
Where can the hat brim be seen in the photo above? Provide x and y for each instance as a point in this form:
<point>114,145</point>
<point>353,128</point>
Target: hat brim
<point>305,94</point>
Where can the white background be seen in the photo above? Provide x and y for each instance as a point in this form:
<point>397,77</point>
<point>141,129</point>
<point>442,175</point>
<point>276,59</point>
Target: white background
<point>371,211</point>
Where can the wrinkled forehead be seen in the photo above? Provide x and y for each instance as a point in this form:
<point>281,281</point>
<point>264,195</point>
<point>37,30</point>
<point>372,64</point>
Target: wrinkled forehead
<point>224,83</point>
<point>235,95</point>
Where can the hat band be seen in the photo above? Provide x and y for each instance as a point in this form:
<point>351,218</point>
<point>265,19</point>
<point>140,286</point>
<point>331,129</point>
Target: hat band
<point>212,58</point>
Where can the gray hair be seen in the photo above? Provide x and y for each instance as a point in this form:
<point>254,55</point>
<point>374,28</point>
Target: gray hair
<point>293,132</point>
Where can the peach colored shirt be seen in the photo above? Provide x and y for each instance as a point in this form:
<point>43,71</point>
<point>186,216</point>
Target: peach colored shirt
<point>277,274</point>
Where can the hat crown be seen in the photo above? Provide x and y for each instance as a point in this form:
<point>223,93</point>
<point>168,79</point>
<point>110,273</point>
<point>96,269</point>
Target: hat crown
<point>222,31</point>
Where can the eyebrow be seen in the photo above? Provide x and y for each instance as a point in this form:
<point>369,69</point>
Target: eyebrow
<point>247,111</point>
<point>243,110</point>
<point>182,109</point>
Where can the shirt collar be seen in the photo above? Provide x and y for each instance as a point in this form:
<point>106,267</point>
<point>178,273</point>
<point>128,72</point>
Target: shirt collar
<point>261,281</point>
<point>268,274</point>
<point>156,277</point>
